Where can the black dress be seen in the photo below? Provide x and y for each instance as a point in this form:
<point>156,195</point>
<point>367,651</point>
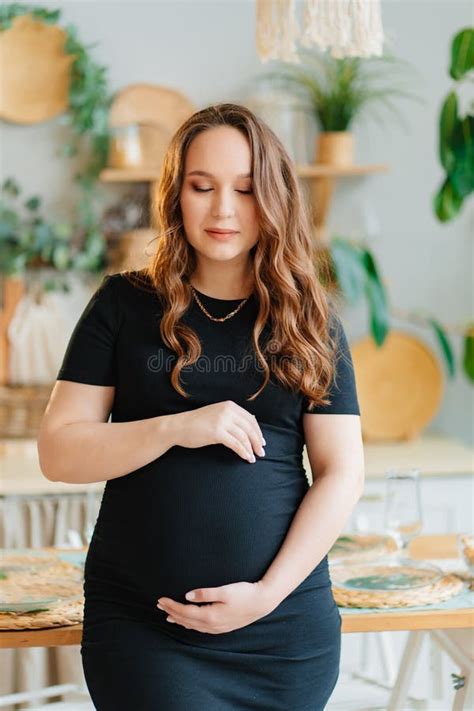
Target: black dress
<point>199,517</point>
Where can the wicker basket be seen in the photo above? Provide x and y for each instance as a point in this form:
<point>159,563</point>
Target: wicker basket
<point>22,408</point>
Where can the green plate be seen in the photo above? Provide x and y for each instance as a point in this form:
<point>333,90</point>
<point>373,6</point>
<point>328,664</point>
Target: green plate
<point>384,575</point>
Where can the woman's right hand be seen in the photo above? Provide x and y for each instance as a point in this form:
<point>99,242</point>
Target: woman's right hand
<point>221,423</point>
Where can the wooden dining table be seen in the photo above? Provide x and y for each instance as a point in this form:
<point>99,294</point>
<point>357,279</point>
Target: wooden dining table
<point>442,623</point>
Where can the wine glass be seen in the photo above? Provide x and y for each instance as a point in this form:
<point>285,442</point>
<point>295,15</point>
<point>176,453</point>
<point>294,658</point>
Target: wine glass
<point>402,515</point>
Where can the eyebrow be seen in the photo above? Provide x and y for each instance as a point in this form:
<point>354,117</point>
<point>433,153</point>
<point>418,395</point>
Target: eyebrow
<point>209,175</point>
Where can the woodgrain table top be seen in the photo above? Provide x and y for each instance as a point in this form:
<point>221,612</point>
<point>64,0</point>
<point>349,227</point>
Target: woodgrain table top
<point>422,548</point>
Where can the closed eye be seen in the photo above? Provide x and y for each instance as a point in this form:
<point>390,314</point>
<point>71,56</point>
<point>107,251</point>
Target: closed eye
<point>206,190</point>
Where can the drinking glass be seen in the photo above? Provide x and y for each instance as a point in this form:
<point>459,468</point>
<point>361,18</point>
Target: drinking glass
<point>402,515</point>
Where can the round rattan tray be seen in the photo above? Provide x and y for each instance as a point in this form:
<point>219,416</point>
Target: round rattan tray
<point>442,589</point>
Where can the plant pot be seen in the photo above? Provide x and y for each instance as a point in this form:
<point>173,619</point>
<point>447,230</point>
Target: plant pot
<point>335,148</point>
<point>133,249</point>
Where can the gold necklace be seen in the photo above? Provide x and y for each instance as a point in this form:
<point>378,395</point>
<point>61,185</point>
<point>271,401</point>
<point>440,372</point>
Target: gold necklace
<point>213,318</point>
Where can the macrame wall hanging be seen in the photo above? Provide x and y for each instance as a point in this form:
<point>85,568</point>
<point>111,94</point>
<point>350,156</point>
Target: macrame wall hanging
<point>348,28</point>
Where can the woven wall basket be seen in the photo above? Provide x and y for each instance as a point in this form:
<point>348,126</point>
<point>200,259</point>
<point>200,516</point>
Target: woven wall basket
<point>399,386</point>
<point>34,71</point>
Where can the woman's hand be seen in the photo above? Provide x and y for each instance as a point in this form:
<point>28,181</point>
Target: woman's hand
<point>221,423</point>
<point>230,607</point>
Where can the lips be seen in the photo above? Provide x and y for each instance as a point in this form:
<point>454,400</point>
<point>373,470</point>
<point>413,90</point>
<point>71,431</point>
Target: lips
<point>223,232</point>
<point>221,235</point>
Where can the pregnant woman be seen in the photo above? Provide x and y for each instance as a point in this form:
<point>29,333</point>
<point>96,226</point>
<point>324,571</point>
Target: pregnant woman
<point>206,580</point>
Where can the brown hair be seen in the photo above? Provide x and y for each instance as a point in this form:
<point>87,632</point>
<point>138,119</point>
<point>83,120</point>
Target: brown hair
<point>290,296</point>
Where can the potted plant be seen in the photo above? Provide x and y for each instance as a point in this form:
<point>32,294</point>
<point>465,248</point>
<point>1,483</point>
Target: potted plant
<point>29,241</point>
<point>37,257</point>
<point>456,133</point>
<point>338,92</point>
<point>357,276</point>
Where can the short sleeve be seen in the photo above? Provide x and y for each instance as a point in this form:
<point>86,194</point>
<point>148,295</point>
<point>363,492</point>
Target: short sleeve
<point>90,354</point>
<point>342,392</point>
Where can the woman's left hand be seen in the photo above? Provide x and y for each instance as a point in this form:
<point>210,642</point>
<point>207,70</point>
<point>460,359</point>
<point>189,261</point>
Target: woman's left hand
<point>230,607</point>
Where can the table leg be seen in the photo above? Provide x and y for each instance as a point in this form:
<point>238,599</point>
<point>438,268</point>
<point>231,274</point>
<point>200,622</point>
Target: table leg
<point>457,644</point>
<point>436,669</point>
<point>405,673</point>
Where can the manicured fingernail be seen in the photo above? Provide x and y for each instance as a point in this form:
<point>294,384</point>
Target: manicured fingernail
<point>264,442</point>
<point>170,619</point>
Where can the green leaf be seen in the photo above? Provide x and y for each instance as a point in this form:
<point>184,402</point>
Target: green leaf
<point>349,268</point>
<point>61,256</point>
<point>63,230</point>
<point>468,357</point>
<point>377,299</point>
<point>447,201</point>
<point>9,224</point>
<point>33,203</point>
<point>339,89</point>
<point>462,54</point>
<point>448,121</point>
<point>25,236</point>
<point>69,150</point>
<point>462,171</point>
<point>445,346</point>
<point>47,253</point>
<point>47,16</point>
<point>458,680</point>
<point>41,235</point>
<point>11,187</point>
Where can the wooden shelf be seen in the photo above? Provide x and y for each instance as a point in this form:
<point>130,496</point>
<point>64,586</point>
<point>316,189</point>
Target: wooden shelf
<point>129,175</point>
<point>149,175</point>
<point>333,171</point>
<point>322,188</point>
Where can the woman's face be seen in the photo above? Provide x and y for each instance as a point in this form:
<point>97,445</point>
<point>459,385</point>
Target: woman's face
<point>217,194</point>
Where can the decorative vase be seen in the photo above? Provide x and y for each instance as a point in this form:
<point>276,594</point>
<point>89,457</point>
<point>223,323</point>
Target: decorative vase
<point>335,148</point>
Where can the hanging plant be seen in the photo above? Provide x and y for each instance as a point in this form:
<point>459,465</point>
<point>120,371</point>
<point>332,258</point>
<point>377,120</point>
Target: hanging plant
<point>89,97</point>
<point>87,114</point>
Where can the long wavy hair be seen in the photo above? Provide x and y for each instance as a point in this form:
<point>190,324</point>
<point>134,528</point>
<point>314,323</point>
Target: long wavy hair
<point>293,304</point>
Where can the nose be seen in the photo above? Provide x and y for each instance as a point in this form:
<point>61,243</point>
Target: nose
<point>223,204</point>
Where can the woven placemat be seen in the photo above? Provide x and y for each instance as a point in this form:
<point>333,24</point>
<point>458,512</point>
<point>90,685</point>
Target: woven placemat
<point>28,577</point>
<point>362,547</point>
<point>442,589</point>
<point>70,613</point>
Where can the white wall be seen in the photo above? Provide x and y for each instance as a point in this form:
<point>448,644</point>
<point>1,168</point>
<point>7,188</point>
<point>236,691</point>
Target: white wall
<point>206,49</point>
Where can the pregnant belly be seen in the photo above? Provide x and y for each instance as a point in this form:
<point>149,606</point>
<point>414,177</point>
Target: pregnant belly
<point>193,518</point>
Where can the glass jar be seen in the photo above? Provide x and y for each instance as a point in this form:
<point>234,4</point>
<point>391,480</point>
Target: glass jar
<point>125,147</point>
